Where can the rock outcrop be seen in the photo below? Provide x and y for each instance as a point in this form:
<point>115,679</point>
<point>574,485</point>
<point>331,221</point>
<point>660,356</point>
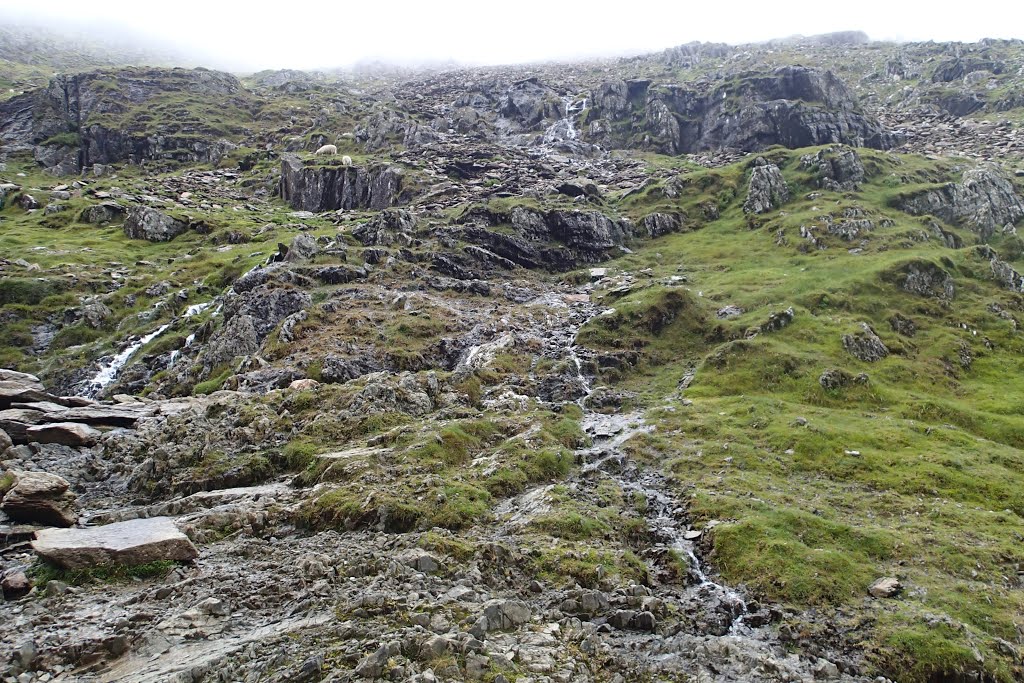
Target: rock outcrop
<point>836,168</point>
<point>926,279</point>
<point>556,239</point>
<point>793,106</point>
<point>767,189</point>
<point>865,345</point>
<point>317,188</point>
<point>100,117</point>
<point>985,200</point>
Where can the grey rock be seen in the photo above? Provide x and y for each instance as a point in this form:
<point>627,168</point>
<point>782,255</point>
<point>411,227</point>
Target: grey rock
<point>105,212</point>
<point>328,188</point>
<point>67,433</point>
<point>793,106</point>
<point>146,223</point>
<point>865,345</point>
<point>778,320</point>
<point>658,224</point>
<point>27,202</point>
<point>836,378</point>
<point>901,324</point>
<point>5,441</point>
<point>15,585</point>
<point>138,541</point>
<point>95,314</point>
<point>302,248</point>
<point>885,587</point>
<point>835,168</point>
<point>767,189</point>
<point>40,498</point>
<point>503,615</point>
<point>926,279</point>
<point>529,103</point>
<point>390,226</point>
<point>984,200</point>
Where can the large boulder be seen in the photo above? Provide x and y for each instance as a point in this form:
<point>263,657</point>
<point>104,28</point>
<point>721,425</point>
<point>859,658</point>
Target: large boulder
<point>865,345</point>
<point>924,278</point>
<point>835,168</point>
<point>138,541</point>
<point>146,223</point>
<point>18,387</point>
<point>66,433</point>
<point>319,188</point>
<point>529,102</point>
<point>105,212</point>
<point>40,498</point>
<point>984,200</point>
<point>767,189</point>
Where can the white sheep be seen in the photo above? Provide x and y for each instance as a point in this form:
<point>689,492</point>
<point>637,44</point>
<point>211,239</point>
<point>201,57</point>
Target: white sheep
<point>327,149</point>
<point>346,160</point>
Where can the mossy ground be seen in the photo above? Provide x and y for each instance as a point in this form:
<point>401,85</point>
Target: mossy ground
<point>917,473</point>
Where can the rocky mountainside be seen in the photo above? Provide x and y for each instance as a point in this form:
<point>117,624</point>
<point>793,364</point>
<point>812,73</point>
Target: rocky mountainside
<point>696,366</point>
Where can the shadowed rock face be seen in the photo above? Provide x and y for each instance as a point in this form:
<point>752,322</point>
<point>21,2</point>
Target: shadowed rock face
<point>984,201</point>
<point>74,106</point>
<point>555,240</point>
<point>793,106</point>
<point>329,188</point>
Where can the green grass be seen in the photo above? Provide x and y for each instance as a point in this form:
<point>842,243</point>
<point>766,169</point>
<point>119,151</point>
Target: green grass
<point>43,572</point>
<point>916,472</point>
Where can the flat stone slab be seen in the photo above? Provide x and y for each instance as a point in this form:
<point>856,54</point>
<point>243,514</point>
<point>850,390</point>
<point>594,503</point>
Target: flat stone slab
<point>137,541</point>
<point>67,433</point>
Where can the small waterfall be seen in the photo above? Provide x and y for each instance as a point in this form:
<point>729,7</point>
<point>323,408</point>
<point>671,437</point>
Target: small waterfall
<point>191,311</point>
<point>108,373</point>
<point>564,130</point>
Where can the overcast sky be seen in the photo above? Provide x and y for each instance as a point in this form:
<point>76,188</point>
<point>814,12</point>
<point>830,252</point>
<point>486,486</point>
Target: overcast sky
<point>257,35</point>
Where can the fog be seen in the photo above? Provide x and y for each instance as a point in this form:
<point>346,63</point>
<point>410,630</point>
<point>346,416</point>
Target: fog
<point>251,36</point>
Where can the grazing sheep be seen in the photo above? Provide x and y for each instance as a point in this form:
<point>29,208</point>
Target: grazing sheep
<point>346,160</point>
<point>327,149</point>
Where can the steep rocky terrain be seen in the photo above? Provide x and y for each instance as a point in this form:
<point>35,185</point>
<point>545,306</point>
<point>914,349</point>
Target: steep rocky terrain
<point>696,366</point>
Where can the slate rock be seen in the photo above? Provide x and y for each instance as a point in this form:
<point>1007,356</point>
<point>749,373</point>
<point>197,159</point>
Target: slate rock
<point>146,223</point>
<point>137,541</point>
<point>40,498</point>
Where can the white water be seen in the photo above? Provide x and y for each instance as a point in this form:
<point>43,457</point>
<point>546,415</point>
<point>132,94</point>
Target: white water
<point>193,310</point>
<point>108,373</point>
<point>564,130</point>
<point>480,355</point>
<point>664,512</point>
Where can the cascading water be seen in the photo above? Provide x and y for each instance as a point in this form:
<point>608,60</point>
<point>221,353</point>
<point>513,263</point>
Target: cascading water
<point>564,130</point>
<point>107,373</point>
<point>191,311</point>
<point>664,512</point>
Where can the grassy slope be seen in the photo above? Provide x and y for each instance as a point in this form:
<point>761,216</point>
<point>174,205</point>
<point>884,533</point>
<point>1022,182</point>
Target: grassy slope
<point>933,495</point>
<point>918,474</point>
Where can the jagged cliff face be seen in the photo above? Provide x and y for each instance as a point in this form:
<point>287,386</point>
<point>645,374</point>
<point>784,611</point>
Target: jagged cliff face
<point>695,365</point>
<point>102,117</point>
